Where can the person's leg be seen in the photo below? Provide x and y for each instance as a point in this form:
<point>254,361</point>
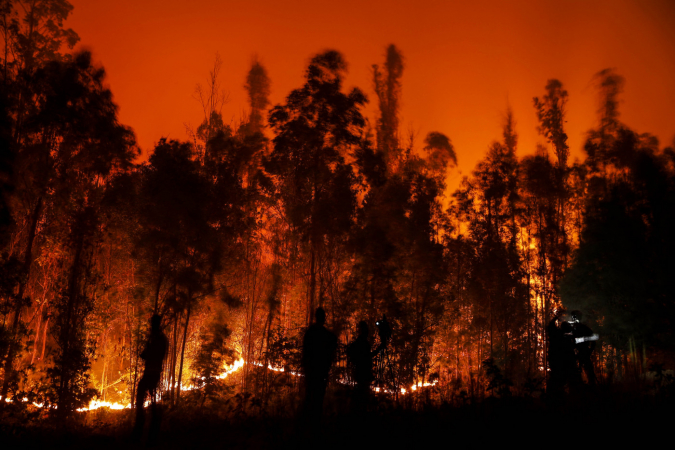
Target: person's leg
<point>141,393</point>
<point>155,419</point>
<point>590,371</point>
<point>361,392</point>
<point>321,394</point>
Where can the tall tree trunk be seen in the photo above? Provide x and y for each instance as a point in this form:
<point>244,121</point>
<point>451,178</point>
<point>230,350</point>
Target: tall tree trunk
<point>174,359</point>
<point>44,340</point>
<point>182,352</point>
<point>67,325</point>
<point>312,283</point>
<point>160,278</point>
<point>37,334</point>
<point>134,360</point>
<point>18,304</point>
<point>105,363</point>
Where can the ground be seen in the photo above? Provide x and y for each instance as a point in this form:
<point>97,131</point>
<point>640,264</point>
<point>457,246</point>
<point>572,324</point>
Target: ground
<point>602,418</point>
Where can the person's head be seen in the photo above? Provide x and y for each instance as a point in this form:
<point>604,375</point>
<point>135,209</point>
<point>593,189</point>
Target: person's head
<point>363,329</point>
<point>320,316</point>
<point>156,322</point>
<point>576,316</point>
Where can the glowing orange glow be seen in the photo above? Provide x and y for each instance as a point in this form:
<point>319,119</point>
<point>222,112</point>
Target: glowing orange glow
<point>238,364</point>
<point>246,274</point>
<point>96,404</point>
<point>278,369</point>
<point>464,60</point>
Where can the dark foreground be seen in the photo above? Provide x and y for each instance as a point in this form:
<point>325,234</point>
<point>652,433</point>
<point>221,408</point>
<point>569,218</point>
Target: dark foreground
<point>590,419</point>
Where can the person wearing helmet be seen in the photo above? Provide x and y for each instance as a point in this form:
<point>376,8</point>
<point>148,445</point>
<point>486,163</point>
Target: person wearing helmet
<point>563,370</point>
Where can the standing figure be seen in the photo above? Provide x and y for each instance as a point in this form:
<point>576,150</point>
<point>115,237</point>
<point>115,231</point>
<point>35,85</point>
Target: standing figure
<point>561,357</point>
<point>318,351</point>
<point>153,354</point>
<point>584,345</point>
<point>361,359</point>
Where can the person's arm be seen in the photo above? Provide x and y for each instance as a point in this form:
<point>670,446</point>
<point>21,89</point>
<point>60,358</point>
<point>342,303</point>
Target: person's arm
<point>304,357</point>
<point>334,346</point>
<point>380,348</point>
<point>146,350</point>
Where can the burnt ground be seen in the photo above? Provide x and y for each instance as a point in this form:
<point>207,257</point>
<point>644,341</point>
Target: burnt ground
<point>590,419</point>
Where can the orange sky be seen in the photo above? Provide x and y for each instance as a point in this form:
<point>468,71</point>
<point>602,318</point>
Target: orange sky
<point>464,60</point>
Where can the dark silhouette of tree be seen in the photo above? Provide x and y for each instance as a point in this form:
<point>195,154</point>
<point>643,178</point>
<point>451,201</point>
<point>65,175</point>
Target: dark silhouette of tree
<point>488,202</point>
<point>315,130</point>
<point>214,352</point>
<point>618,278</point>
<point>179,230</point>
<point>258,88</point>
<point>387,84</point>
<point>540,201</point>
<point>610,146</point>
<point>234,165</point>
<point>554,254</point>
<point>551,114</point>
<point>400,266</point>
<point>86,149</point>
<point>32,35</point>
<point>235,239</point>
<point>33,32</point>
<point>7,158</point>
<point>211,98</point>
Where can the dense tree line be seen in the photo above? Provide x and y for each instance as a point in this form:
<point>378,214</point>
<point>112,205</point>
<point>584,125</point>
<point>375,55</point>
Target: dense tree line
<point>236,235</point>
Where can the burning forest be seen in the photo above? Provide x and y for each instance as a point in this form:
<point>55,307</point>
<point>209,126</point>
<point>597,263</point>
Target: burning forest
<point>310,263</point>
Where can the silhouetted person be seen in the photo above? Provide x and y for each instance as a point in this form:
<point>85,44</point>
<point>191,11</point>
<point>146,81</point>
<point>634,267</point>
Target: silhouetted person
<point>584,348</point>
<point>318,352</point>
<point>361,359</point>
<point>153,354</point>
<point>561,357</point>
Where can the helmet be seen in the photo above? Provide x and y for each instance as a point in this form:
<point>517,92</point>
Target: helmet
<point>576,315</point>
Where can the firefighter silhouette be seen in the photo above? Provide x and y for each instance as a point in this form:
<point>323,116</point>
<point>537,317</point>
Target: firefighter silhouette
<point>584,344</point>
<point>561,357</point>
<point>318,352</point>
<point>153,354</point>
<point>361,359</point>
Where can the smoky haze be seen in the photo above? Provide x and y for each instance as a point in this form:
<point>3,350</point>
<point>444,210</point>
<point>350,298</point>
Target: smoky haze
<point>464,61</point>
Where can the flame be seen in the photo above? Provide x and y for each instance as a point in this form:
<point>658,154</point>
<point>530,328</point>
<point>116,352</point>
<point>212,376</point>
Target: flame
<point>404,391</point>
<point>277,369</point>
<point>95,404</point>
<point>416,385</point>
<point>233,368</point>
<point>23,400</point>
<point>229,369</point>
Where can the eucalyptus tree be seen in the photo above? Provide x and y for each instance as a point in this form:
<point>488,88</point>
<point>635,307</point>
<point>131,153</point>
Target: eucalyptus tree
<point>551,110</point>
<point>387,84</point>
<point>488,202</point>
<point>258,89</point>
<point>316,131</point>
<point>178,238</point>
<point>78,148</point>
<point>32,36</point>
<point>620,274</point>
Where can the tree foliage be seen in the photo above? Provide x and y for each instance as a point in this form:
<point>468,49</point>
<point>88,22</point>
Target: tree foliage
<point>235,236</point>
